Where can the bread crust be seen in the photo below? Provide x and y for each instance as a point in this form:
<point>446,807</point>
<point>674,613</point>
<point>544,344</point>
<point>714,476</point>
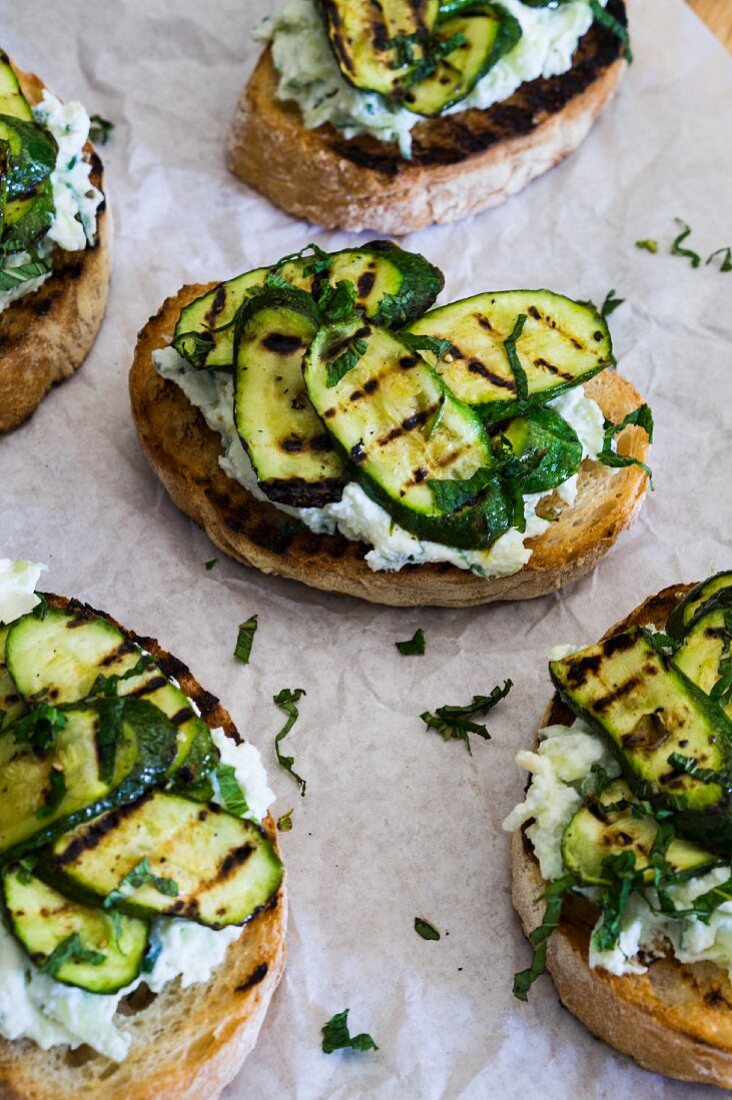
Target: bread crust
<point>675,1019</point>
<point>461,163</point>
<point>187,1043</point>
<point>45,336</point>
<point>184,453</point>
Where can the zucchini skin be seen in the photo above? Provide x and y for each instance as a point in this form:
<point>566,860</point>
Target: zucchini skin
<point>12,101</point>
<point>290,450</point>
<point>593,834</point>
<point>703,647</point>
<point>34,923</point>
<point>121,838</point>
<point>393,287</point>
<point>379,415</point>
<point>82,646</point>
<point>702,811</point>
<point>697,602</point>
<point>155,742</point>
<point>477,368</point>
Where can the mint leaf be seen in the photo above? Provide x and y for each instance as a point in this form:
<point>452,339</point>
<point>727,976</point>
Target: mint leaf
<point>230,790</point>
<point>676,248</point>
<point>554,895</point>
<point>244,639</point>
<point>55,793</point>
<point>100,129</point>
<point>70,950</point>
<point>453,722</point>
<point>140,875</point>
<point>522,385</point>
<point>414,646</point>
<point>648,245</point>
<point>642,417</point>
<point>605,19</point>
<point>337,1037</point>
<point>347,360</point>
<point>425,929</point>
<point>286,700</point>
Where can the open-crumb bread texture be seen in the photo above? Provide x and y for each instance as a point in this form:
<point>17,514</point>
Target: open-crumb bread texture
<point>187,1044</point>
<point>45,336</point>
<point>675,1019</point>
<point>460,164</point>
<point>184,453</point>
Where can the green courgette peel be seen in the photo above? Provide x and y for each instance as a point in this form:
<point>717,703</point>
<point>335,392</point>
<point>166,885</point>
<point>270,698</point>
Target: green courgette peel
<point>343,372</point>
<point>655,701</point>
<point>106,821</point>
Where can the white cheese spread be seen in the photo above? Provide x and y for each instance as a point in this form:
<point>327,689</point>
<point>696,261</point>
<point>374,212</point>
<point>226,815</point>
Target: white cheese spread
<point>563,759</point>
<point>75,198</point>
<point>356,515</point>
<point>309,74</point>
<point>33,1005</point>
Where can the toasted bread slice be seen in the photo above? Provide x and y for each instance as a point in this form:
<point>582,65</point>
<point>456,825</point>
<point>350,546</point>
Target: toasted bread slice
<point>184,453</point>
<point>186,1043</point>
<point>45,336</point>
<point>461,163</point>
<point>675,1019</point>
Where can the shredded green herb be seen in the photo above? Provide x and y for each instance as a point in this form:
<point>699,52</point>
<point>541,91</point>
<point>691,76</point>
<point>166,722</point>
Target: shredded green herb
<point>140,875</point>
<point>453,494</point>
<point>195,346</point>
<point>642,417</point>
<point>522,385</point>
<point>244,639</point>
<point>347,360</point>
<point>414,646</point>
<point>230,790</point>
<point>151,957</point>
<point>661,642</point>
<point>721,693</point>
<point>425,929</point>
<point>605,19</point>
<point>554,895</point>
<point>610,304</point>
<point>39,728</point>
<point>55,793</point>
<point>726,264</point>
<point>10,277</point>
<point>337,303</point>
<point>286,700</point>
<point>70,950</point>
<point>210,564</point>
<point>648,245</point>
<point>26,866</point>
<point>100,129</point>
<point>453,722</point>
<point>417,342</point>
<point>705,775</point>
<point>337,1037</point>
<point>284,821</point>
<point>676,248</point>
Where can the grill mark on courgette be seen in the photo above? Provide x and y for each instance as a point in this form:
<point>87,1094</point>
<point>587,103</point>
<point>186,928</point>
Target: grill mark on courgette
<point>476,367</point>
<point>282,343</point>
<point>580,670</point>
<point>71,624</point>
<point>148,686</point>
<point>619,692</point>
<point>546,365</point>
<point>416,420</point>
<point>365,283</point>
<point>124,647</point>
<point>182,716</point>
<point>358,453</point>
<point>408,361</point>
<point>96,832</point>
<point>617,643</point>
<point>257,975</point>
<point>217,304</point>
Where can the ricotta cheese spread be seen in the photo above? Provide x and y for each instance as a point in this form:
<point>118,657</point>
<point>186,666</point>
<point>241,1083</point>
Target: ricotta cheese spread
<point>356,515</point>
<point>560,766</point>
<point>35,1006</point>
<point>75,198</point>
<point>309,73</point>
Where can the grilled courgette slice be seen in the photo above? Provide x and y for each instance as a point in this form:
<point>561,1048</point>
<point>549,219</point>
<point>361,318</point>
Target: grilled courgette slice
<point>595,833</point>
<point>378,45</point>
<point>59,658</point>
<point>543,435</point>
<point>393,286</point>
<point>27,219</point>
<point>80,762</point>
<point>75,944</point>
<point>718,586</point>
<point>418,451</point>
<point>168,856</point>
<point>479,35</point>
<point>706,645</point>
<point>563,343</point>
<point>12,704</point>
<point>291,452</point>
<point>12,100</point>
<point>652,715</point>
<point>31,155</point>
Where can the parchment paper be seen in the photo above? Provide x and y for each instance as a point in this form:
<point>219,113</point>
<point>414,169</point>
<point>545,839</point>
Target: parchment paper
<point>395,823</point>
